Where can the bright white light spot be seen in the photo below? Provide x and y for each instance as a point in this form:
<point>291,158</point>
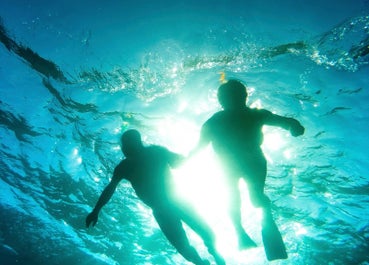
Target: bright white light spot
<point>117,147</point>
<point>202,183</point>
<point>103,257</point>
<point>75,151</point>
<point>256,104</point>
<point>77,159</point>
<point>182,106</point>
<point>273,140</point>
<point>250,91</point>
<point>180,135</point>
<point>299,229</point>
<point>330,198</point>
<point>96,179</point>
<point>287,154</point>
<point>119,245</point>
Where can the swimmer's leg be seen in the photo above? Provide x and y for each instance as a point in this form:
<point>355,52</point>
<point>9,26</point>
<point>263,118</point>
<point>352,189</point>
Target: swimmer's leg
<point>172,228</point>
<point>273,242</point>
<point>244,240</point>
<point>197,224</point>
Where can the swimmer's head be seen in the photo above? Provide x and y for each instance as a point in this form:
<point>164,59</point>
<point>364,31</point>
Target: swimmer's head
<point>131,142</point>
<point>232,95</point>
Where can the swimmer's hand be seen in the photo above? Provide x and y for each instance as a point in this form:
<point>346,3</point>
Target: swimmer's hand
<point>92,219</point>
<point>296,128</point>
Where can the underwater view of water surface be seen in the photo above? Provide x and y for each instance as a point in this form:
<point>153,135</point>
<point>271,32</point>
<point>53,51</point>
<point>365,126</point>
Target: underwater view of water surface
<point>74,75</point>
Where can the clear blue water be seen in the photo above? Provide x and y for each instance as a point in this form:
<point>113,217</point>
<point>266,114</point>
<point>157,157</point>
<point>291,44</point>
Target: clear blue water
<point>155,66</point>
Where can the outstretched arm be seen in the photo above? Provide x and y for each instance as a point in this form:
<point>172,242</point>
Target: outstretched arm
<point>104,198</point>
<point>293,125</point>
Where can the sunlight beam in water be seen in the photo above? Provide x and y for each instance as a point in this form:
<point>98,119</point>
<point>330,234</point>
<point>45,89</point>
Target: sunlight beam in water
<point>192,182</point>
<point>277,145</point>
<point>179,135</point>
<point>200,183</point>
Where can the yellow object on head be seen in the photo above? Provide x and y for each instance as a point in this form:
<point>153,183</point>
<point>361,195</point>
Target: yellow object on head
<point>222,78</point>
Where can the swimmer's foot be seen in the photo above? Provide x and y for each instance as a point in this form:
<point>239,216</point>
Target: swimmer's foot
<point>245,242</point>
<point>204,262</point>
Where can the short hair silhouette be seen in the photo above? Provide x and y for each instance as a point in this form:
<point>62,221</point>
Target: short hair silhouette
<point>232,94</point>
<point>131,142</point>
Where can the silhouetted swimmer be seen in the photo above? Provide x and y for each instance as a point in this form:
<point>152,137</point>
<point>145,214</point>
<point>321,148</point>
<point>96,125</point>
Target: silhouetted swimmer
<point>236,136</point>
<point>147,168</point>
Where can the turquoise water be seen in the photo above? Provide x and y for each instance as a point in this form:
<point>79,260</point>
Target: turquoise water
<point>156,66</point>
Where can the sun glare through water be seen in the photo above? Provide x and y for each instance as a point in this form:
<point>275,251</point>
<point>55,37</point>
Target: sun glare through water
<point>201,183</point>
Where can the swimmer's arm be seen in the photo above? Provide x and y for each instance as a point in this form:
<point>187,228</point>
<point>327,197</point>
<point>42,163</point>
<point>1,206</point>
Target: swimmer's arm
<point>106,195</point>
<point>103,199</point>
<point>204,141</point>
<point>175,160</point>
<point>290,124</point>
